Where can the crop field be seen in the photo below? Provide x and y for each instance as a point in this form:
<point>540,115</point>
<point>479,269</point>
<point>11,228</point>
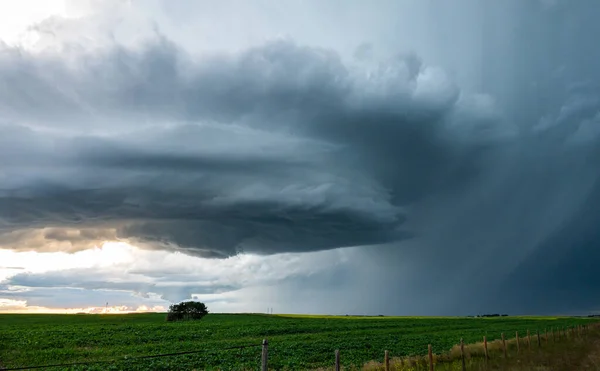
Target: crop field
<point>295,342</point>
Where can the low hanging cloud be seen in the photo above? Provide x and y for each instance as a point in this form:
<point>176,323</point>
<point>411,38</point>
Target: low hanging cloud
<point>278,148</point>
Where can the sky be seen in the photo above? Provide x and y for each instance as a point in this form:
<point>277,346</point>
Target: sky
<point>398,157</point>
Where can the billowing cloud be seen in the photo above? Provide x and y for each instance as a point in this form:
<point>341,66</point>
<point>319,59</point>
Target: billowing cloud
<point>240,154</point>
<point>478,165</point>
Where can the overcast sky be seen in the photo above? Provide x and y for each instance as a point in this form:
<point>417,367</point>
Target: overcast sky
<point>346,157</point>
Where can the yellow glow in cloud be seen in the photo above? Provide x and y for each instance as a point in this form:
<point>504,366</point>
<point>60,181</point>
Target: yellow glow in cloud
<point>17,15</point>
<point>20,306</point>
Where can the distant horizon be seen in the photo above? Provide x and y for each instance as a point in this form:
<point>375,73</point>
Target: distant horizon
<point>482,315</point>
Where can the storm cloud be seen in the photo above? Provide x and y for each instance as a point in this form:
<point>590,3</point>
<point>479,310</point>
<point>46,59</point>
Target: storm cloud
<point>241,154</point>
<point>471,176</point>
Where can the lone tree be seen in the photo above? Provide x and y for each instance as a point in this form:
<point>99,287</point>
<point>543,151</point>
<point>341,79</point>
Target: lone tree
<point>186,310</point>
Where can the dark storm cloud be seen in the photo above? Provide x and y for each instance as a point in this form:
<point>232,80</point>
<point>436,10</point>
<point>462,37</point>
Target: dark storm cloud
<point>242,154</point>
<point>285,147</point>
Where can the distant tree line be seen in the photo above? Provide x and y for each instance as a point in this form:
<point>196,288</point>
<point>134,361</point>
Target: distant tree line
<point>187,310</point>
<point>489,315</point>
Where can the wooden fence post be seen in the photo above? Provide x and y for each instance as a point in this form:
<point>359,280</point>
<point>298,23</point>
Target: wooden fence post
<point>553,337</point>
<point>528,340</point>
<point>518,342</point>
<point>430,352</point>
<point>485,348</point>
<point>387,360</point>
<point>265,355</point>
<point>462,354</point>
<point>546,335</point>
<point>337,360</point>
<point>504,346</point>
<point>539,340</point>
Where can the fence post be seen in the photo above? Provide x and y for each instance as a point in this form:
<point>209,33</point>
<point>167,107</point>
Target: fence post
<point>430,353</point>
<point>462,354</point>
<point>553,337</point>
<point>504,346</point>
<point>486,349</point>
<point>518,342</point>
<point>539,340</point>
<point>387,360</point>
<point>546,335</point>
<point>337,360</point>
<point>528,340</point>
<point>265,355</point>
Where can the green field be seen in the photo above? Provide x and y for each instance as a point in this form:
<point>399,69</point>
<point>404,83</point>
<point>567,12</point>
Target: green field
<point>295,342</point>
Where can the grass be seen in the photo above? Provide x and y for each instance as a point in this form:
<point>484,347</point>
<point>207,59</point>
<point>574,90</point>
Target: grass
<point>295,342</point>
<point>580,351</point>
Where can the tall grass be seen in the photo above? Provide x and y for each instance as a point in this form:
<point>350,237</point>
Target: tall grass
<point>579,351</point>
